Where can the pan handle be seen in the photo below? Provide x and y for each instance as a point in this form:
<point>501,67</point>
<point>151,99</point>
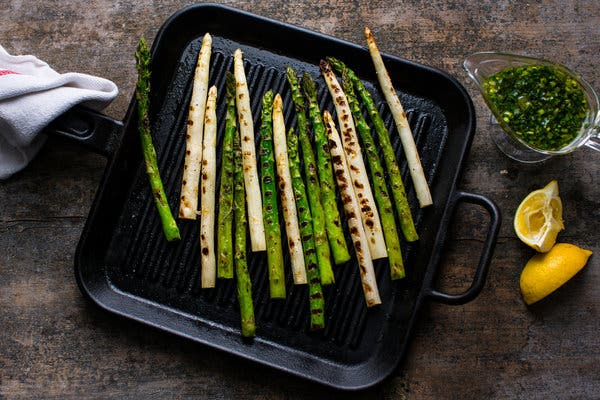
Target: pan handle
<point>486,254</point>
<point>88,127</point>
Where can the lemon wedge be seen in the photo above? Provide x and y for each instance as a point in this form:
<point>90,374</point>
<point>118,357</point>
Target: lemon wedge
<point>544,273</point>
<point>539,218</point>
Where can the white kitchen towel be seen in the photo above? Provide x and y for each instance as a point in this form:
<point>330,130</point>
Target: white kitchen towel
<point>32,94</point>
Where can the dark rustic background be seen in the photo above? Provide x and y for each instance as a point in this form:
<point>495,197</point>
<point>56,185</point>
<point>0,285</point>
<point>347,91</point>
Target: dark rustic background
<point>53,344</point>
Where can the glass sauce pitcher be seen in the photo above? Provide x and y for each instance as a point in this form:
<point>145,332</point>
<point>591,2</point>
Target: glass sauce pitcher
<point>480,66</point>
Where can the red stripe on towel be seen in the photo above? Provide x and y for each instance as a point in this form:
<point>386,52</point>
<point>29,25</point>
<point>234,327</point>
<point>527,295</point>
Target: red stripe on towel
<point>7,72</point>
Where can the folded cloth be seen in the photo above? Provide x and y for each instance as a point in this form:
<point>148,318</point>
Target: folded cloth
<point>32,94</point>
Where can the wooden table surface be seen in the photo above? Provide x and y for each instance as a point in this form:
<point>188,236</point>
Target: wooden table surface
<point>54,344</point>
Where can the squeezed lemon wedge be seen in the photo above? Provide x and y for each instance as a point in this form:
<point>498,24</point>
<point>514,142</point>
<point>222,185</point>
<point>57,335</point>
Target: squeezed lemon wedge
<point>544,273</point>
<point>539,218</point>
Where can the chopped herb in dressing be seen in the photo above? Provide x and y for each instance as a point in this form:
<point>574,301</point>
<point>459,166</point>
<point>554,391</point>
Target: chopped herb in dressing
<point>542,105</point>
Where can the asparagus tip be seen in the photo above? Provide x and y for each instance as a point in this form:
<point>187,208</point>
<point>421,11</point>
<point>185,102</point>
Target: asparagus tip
<point>336,63</point>
<point>277,102</point>
<point>332,60</point>
<point>309,86</point>
<point>267,97</point>
<point>142,43</point>
<point>142,55</point>
<point>324,65</point>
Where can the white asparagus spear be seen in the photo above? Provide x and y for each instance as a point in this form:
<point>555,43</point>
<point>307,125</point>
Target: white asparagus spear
<point>188,205</point>
<point>207,201</point>
<point>358,171</point>
<point>288,203</point>
<point>406,137</point>
<point>253,195</point>
<point>351,209</point>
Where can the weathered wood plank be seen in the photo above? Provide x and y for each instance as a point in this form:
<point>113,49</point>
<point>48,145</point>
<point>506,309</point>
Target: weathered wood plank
<point>53,344</point>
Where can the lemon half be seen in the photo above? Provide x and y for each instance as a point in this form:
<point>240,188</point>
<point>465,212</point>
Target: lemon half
<point>544,273</point>
<point>539,218</point>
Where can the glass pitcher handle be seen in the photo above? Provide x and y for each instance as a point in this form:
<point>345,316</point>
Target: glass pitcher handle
<point>594,140</point>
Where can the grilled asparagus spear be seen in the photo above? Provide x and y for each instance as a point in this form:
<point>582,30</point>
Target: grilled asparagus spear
<point>169,225</point>
<point>225,218</point>
<point>333,224</point>
<point>188,204</point>
<point>244,285</point>
<point>315,292</point>
<point>257,229</point>
<point>269,204</point>
<point>284,182</point>
<point>408,142</point>
<point>207,203</point>
<point>312,182</point>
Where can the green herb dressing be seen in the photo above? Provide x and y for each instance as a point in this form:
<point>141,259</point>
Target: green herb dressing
<point>542,105</point>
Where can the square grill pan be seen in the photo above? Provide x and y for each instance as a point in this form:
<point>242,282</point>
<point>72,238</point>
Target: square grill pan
<point>124,265</point>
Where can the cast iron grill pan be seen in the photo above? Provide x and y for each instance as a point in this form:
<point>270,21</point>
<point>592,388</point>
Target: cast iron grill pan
<point>124,264</point>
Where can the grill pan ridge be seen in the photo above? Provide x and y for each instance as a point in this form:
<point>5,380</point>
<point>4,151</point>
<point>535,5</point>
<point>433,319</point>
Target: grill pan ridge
<point>124,264</point>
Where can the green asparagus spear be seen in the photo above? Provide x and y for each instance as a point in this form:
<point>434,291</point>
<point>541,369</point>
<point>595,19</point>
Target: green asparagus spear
<point>142,56</point>
<point>315,292</point>
<point>244,285</point>
<point>312,182</point>
<point>225,219</point>
<point>269,203</point>
<point>395,177</point>
<point>324,168</point>
<point>382,197</point>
